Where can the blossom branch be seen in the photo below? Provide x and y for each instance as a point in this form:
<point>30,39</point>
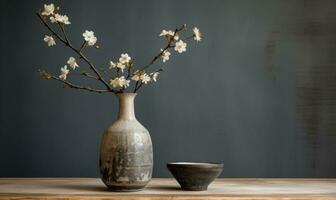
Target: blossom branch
<point>169,45</point>
<point>81,55</point>
<point>118,83</point>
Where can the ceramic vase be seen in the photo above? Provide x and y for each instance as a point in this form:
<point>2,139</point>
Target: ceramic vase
<point>126,153</point>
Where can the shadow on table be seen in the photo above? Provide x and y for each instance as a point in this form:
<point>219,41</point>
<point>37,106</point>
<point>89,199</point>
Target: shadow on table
<point>164,188</point>
<point>89,188</point>
<point>94,188</point>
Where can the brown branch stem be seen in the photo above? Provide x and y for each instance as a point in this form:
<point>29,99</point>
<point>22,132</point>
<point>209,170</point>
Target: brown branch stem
<point>63,31</point>
<point>136,89</point>
<point>82,46</point>
<point>188,38</point>
<point>72,85</point>
<point>89,75</point>
<point>136,85</point>
<point>128,72</point>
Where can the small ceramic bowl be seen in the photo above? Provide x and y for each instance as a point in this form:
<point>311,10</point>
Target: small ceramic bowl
<point>195,176</point>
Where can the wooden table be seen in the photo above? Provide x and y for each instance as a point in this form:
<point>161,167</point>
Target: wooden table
<point>160,189</point>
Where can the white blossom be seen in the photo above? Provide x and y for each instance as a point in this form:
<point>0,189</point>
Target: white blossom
<point>165,55</point>
<point>49,40</point>
<point>116,82</point>
<point>72,63</point>
<point>53,18</point>
<point>64,72</point>
<point>145,78</point>
<point>113,65</point>
<point>48,9</point>
<point>121,66</point>
<point>119,82</point>
<point>197,34</point>
<point>136,75</point>
<point>124,58</point>
<point>118,65</point>
<point>125,82</point>
<point>180,46</point>
<point>123,61</point>
<point>60,18</point>
<point>90,37</point>
<point>154,76</point>
<point>141,76</point>
<point>65,19</point>
<point>169,33</point>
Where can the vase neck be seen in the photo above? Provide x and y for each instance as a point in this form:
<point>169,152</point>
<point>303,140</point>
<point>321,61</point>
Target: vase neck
<point>126,106</point>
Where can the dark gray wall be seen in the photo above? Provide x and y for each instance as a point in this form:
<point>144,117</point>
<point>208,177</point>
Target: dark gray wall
<point>258,93</point>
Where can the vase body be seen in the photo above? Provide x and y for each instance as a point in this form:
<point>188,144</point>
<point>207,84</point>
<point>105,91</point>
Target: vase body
<point>126,153</point>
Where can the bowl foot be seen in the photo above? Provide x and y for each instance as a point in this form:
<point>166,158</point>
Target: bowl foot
<point>125,188</point>
<point>195,188</point>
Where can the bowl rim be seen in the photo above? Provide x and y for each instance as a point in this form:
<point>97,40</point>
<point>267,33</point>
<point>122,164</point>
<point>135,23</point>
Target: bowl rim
<point>195,164</point>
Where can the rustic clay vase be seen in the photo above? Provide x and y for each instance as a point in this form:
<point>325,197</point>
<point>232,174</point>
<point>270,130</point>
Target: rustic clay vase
<point>126,153</point>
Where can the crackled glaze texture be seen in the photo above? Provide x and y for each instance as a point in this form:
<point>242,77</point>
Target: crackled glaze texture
<point>126,154</point>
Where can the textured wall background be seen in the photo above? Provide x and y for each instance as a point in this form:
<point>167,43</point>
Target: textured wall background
<point>258,93</point>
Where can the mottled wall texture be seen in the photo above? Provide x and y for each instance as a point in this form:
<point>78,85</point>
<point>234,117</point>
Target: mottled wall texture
<point>258,93</point>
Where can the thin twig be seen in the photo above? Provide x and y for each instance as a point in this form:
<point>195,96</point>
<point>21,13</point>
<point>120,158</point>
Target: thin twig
<point>72,85</point>
<point>128,72</point>
<point>63,31</point>
<point>83,45</point>
<point>102,71</point>
<point>140,86</point>
<point>95,70</point>
<point>136,85</point>
<point>89,75</point>
<point>84,73</point>
<point>187,38</point>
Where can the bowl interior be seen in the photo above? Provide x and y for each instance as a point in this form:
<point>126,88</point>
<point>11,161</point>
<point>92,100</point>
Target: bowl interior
<point>195,164</point>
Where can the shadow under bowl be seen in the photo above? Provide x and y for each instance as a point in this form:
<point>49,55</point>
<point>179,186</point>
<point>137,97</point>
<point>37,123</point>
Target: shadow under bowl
<point>195,176</point>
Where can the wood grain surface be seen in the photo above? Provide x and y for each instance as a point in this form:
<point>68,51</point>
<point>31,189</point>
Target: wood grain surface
<point>159,189</point>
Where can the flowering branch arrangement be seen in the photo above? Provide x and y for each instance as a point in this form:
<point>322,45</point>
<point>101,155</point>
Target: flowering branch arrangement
<point>121,72</point>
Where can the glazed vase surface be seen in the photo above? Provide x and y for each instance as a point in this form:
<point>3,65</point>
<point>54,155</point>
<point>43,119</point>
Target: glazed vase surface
<point>126,152</point>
